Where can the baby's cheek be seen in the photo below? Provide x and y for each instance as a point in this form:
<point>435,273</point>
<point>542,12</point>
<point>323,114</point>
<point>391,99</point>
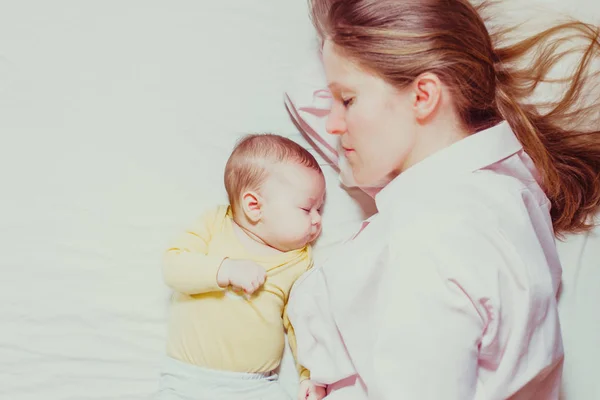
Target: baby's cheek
<point>296,227</point>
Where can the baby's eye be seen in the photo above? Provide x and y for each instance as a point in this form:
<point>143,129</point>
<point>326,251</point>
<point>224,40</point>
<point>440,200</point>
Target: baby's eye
<point>306,209</point>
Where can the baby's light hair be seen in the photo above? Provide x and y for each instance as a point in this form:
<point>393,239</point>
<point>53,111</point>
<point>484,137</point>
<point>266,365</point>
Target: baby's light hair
<point>248,164</point>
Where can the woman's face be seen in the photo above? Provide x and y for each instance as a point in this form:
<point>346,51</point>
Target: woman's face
<point>374,120</point>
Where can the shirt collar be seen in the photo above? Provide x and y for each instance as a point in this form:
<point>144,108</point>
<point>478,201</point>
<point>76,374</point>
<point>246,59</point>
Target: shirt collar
<point>470,154</point>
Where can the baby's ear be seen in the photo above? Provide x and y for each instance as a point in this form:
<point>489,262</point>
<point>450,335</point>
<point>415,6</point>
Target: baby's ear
<point>251,204</point>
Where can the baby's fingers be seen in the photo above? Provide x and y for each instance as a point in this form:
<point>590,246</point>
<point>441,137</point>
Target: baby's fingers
<point>261,278</point>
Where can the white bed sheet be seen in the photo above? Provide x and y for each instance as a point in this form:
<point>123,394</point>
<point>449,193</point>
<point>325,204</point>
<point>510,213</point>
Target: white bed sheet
<point>116,119</point>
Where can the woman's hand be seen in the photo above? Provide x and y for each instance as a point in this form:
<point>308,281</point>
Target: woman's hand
<point>310,391</point>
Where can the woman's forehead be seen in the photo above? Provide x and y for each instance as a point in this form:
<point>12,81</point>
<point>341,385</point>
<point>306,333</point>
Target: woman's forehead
<point>334,58</point>
<point>342,73</point>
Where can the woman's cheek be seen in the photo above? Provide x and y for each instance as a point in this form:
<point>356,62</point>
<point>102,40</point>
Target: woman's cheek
<point>346,175</point>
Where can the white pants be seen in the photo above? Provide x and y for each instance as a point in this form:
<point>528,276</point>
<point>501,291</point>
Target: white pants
<point>181,381</point>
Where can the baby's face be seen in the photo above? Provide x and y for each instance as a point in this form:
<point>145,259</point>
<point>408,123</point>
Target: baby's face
<point>291,212</point>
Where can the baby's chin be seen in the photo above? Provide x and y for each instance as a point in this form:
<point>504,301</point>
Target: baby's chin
<point>296,245</point>
<point>312,238</point>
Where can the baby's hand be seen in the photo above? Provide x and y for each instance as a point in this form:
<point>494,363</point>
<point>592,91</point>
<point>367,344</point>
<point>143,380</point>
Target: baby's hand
<point>310,391</point>
<point>241,274</point>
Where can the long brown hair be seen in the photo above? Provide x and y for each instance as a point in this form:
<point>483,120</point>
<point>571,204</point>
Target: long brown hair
<point>401,39</point>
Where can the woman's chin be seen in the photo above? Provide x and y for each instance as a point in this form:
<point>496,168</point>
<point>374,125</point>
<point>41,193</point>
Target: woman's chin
<point>346,173</point>
<point>369,183</point>
<point>352,176</point>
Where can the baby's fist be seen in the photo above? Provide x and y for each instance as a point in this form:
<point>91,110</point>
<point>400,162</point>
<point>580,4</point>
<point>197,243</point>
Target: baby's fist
<point>241,274</point>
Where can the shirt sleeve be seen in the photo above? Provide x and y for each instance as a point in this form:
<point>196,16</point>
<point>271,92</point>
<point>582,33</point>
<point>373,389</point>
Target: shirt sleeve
<point>302,372</point>
<point>459,306</point>
<point>187,266</point>
<point>427,343</point>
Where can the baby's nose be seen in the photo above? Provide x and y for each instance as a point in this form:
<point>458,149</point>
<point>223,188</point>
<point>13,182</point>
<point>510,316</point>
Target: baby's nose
<point>316,219</point>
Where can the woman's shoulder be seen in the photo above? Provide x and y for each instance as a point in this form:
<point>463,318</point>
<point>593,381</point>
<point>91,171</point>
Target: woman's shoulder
<point>481,210</point>
<point>488,225</point>
<point>482,199</point>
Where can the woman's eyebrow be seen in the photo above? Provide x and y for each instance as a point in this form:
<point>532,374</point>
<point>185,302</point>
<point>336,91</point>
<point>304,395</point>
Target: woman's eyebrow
<point>338,87</point>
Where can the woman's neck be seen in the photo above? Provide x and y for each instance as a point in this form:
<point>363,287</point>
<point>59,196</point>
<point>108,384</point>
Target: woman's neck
<point>434,136</point>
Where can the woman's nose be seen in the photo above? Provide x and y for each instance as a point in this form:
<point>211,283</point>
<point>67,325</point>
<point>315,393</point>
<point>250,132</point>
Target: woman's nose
<point>336,125</point>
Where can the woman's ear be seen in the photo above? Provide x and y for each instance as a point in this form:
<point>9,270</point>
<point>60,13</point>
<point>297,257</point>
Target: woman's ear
<point>426,93</point>
<point>252,206</point>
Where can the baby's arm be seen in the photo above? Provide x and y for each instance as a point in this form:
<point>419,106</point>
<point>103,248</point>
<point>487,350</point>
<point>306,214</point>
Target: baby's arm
<point>187,266</point>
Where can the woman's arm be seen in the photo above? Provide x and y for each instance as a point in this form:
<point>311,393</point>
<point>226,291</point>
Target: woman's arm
<point>460,306</point>
<point>302,372</point>
<point>428,335</point>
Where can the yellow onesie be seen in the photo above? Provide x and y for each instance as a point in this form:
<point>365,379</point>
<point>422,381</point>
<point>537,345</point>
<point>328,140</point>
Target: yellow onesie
<point>216,328</point>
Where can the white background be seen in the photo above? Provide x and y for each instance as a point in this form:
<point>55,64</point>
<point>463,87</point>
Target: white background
<point>116,118</point>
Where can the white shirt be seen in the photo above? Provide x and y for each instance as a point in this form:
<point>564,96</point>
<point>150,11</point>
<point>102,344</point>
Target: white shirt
<point>448,293</point>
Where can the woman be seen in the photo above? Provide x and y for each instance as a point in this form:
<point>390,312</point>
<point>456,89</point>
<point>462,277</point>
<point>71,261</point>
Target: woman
<point>449,292</point>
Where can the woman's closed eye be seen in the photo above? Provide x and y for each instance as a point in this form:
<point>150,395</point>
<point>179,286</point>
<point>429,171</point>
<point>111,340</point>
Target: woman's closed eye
<point>347,102</point>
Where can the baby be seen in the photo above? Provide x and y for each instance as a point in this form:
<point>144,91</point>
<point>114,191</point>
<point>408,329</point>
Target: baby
<point>232,272</point>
